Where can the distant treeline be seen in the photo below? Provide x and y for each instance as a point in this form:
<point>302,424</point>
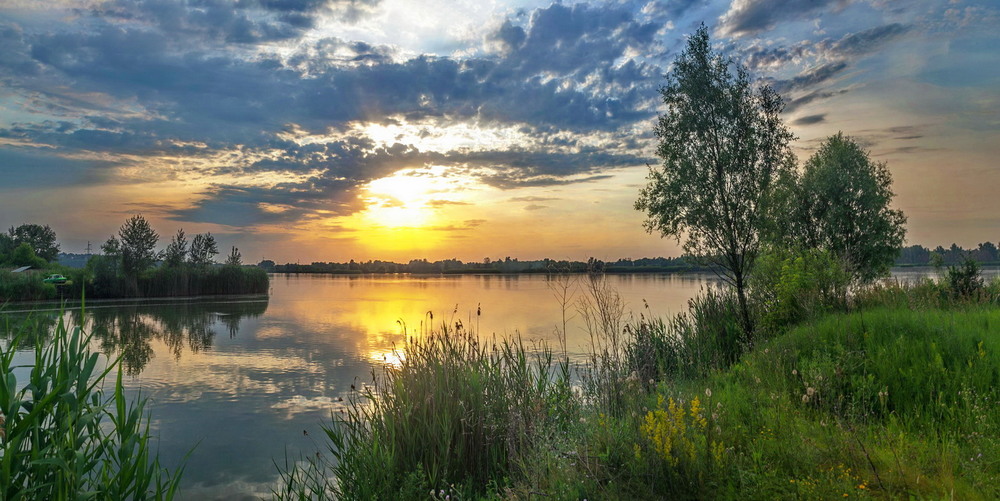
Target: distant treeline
<point>918,255</point>
<point>505,265</point>
<point>128,266</point>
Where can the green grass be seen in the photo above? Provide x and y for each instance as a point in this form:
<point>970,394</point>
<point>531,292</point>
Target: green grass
<point>64,437</point>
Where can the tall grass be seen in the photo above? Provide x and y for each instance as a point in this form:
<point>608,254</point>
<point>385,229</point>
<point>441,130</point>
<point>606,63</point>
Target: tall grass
<point>455,416</point>
<point>24,287</point>
<point>166,281</point>
<point>64,437</point>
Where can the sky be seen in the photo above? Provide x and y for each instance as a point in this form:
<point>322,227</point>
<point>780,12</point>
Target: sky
<point>330,130</point>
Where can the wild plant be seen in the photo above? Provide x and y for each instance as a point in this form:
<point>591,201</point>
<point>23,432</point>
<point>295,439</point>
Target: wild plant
<point>455,411</point>
<point>603,312</point>
<point>63,437</point>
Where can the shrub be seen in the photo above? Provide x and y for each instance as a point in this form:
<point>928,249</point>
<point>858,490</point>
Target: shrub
<point>964,280</point>
<point>794,286</point>
<point>24,287</point>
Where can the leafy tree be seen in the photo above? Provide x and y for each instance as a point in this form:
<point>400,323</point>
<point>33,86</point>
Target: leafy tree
<point>203,249</point>
<point>24,255</point>
<point>723,146</point>
<point>176,250</point>
<point>843,206</point>
<point>7,247</point>
<point>235,259</point>
<point>42,240</point>
<point>137,241</point>
<point>987,252</point>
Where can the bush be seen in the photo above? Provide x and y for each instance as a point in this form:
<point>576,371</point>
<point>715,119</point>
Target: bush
<point>24,287</point>
<point>794,286</point>
<point>964,280</point>
<point>706,338</point>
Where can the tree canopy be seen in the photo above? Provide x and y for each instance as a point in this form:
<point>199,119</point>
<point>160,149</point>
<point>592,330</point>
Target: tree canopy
<point>42,240</point>
<point>137,241</point>
<point>842,203</point>
<point>203,249</point>
<point>723,146</point>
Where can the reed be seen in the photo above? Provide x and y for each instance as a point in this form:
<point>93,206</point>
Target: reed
<point>64,437</point>
<point>456,414</point>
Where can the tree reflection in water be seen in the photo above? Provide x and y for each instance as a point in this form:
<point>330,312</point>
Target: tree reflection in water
<point>129,329</point>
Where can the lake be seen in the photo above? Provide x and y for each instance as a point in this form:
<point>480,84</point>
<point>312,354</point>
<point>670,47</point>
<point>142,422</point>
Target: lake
<point>249,382</point>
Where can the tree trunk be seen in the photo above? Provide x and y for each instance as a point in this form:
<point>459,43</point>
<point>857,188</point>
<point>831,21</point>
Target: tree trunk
<point>741,295</point>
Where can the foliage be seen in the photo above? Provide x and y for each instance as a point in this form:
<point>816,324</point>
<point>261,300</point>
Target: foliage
<point>24,287</point>
<point>723,146</point>
<point>683,440</point>
<point>138,241</point>
<point>964,280</point>
<point>235,258</point>
<point>174,281</point>
<point>41,239</point>
<point>62,437</point>
<point>203,248</point>
<point>691,344</point>
<point>176,251</point>
<point>842,204</point>
<point>24,255</point>
<point>796,285</point>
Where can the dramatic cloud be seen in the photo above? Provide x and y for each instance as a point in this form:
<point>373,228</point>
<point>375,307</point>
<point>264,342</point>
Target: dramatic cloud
<point>751,16</point>
<point>273,114</point>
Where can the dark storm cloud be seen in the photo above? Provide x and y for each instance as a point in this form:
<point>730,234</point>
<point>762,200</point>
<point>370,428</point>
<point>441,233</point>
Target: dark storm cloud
<point>746,17</point>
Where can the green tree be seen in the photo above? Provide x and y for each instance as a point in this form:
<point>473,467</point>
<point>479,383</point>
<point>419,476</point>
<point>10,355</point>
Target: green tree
<point>137,242</point>
<point>42,240</point>
<point>235,259</point>
<point>203,249</point>
<point>24,255</point>
<point>723,147</point>
<point>7,247</point>
<point>176,250</point>
<point>843,206</point>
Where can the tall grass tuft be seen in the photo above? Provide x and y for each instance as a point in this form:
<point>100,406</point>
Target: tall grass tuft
<point>456,414</point>
<point>63,437</point>
<point>692,344</point>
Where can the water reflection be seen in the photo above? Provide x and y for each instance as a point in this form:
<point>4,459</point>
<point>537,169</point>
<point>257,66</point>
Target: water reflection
<point>245,379</point>
<point>130,330</point>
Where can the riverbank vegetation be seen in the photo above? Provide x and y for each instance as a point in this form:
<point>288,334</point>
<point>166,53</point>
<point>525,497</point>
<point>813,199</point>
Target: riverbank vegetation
<point>62,435</point>
<point>128,267</point>
<point>890,394</point>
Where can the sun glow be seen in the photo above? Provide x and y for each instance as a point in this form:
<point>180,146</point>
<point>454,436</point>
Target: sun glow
<point>412,198</point>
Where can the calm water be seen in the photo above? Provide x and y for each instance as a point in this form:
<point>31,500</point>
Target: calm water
<point>249,382</point>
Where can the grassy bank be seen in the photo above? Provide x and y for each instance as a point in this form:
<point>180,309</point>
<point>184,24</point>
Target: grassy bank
<point>895,399</point>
